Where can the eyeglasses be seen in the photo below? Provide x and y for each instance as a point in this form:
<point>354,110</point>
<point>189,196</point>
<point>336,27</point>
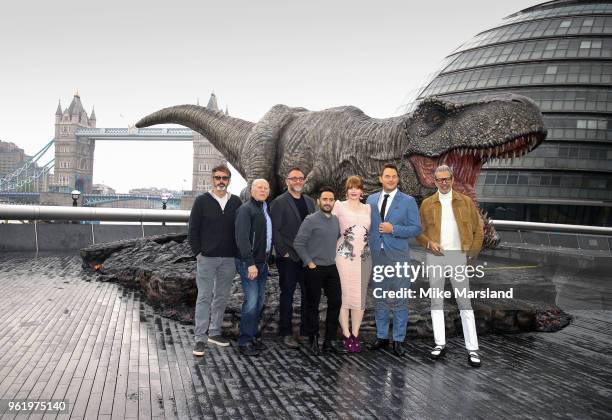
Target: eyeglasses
<point>219,178</point>
<point>296,179</point>
<point>444,180</point>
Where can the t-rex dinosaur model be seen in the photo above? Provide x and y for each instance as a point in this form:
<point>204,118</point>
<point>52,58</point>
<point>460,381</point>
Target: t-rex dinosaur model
<point>332,144</point>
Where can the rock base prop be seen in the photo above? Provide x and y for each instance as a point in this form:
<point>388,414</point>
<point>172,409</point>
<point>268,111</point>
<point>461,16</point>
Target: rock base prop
<point>164,270</point>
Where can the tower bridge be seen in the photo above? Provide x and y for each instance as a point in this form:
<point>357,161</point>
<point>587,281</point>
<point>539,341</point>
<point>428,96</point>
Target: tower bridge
<point>76,133</point>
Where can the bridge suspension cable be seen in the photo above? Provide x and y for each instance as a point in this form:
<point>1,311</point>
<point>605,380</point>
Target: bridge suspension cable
<point>26,178</point>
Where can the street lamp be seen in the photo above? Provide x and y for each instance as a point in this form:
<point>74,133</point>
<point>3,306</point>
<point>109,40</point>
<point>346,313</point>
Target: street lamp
<point>164,200</point>
<point>75,197</point>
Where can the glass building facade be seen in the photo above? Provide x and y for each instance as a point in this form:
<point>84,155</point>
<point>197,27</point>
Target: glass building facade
<point>559,54</point>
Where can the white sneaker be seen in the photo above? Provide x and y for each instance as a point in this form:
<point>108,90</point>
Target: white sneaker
<point>438,352</point>
<point>474,359</point>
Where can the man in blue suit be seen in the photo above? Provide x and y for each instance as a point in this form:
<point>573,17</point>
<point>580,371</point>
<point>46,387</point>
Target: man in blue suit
<point>395,219</point>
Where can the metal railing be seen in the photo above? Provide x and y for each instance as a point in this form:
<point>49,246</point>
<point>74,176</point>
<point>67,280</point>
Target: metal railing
<point>544,234</point>
<point>26,212</point>
<point>551,227</point>
<point>17,212</point>
<point>79,214</point>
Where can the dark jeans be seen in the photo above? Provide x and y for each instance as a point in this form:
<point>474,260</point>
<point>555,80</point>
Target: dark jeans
<point>254,298</point>
<point>290,273</point>
<point>323,277</point>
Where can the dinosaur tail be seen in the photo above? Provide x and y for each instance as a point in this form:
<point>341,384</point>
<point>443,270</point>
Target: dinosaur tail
<point>226,133</point>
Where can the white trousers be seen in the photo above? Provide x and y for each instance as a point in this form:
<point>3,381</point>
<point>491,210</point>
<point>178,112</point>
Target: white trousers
<point>457,260</point>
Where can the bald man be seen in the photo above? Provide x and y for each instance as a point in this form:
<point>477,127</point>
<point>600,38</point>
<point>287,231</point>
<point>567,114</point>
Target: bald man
<point>254,240</point>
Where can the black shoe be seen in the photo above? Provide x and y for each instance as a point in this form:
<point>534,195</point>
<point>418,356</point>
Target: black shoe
<point>248,350</point>
<point>290,342</point>
<point>380,343</point>
<point>437,352</point>
<point>334,346</point>
<point>199,348</point>
<point>219,340</point>
<point>474,359</point>
<point>314,345</point>
<point>259,344</point>
<point>398,349</point>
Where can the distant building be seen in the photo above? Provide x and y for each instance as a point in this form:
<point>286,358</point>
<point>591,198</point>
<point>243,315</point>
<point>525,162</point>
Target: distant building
<point>153,191</point>
<point>559,54</point>
<point>205,156</point>
<point>74,156</point>
<point>102,189</point>
<point>11,157</point>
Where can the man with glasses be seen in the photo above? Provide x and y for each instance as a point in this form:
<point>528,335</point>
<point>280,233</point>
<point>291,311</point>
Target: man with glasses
<point>452,233</point>
<point>211,236</point>
<point>288,211</point>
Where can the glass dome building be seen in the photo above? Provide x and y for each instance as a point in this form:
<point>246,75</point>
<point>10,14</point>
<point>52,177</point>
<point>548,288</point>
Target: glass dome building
<point>559,54</point>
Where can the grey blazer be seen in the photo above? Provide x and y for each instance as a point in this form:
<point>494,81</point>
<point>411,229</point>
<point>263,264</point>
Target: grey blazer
<point>286,223</point>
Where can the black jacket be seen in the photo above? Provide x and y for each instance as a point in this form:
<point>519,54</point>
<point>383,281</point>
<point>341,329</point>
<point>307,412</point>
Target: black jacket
<point>286,222</point>
<point>251,232</point>
<point>211,230</point>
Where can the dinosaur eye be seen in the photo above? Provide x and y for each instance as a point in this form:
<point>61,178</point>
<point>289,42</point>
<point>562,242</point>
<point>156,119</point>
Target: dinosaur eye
<point>427,119</point>
<point>436,117</point>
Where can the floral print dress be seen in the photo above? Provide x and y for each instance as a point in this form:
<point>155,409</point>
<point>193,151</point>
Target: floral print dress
<point>353,258</point>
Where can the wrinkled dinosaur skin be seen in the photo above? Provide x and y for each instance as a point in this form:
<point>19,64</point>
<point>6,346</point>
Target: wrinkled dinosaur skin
<point>332,144</point>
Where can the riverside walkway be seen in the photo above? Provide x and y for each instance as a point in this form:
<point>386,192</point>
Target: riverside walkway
<point>64,335</point>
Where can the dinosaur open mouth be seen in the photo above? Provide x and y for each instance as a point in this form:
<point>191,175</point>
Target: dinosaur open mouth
<point>466,162</point>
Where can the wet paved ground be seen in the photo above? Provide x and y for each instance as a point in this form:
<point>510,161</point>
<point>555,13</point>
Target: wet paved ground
<point>105,351</point>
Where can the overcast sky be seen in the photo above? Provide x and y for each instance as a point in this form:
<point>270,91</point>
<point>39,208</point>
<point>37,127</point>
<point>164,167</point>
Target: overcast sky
<point>129,58</point>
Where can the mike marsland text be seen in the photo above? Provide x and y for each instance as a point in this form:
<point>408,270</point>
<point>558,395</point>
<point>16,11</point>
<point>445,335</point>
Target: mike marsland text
<point>406,293</point>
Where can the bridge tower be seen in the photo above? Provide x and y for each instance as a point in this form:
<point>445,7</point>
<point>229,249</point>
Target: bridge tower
<point>74,156</point>
<point>205,156</point>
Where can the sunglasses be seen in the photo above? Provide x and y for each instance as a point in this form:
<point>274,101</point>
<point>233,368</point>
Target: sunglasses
<point>219,178</point>
<point>444,180</point>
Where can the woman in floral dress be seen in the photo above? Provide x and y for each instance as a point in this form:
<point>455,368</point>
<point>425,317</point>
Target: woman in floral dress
<point>353,260</point>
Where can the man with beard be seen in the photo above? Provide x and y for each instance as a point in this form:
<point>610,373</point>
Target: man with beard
<point>315,243</point>
<point>288,211</point>
<point>211,236</point>
<point>395,219</point>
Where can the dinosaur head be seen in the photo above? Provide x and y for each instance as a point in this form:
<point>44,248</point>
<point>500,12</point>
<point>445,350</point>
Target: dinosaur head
<point>465,136</point>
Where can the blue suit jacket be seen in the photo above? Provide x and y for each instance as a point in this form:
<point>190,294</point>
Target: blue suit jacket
<point>402,212</point>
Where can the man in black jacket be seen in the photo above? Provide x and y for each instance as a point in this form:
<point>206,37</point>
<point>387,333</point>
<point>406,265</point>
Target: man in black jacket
<point>211,236</point>
<point>254,240</point>
<point>288,211</point>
